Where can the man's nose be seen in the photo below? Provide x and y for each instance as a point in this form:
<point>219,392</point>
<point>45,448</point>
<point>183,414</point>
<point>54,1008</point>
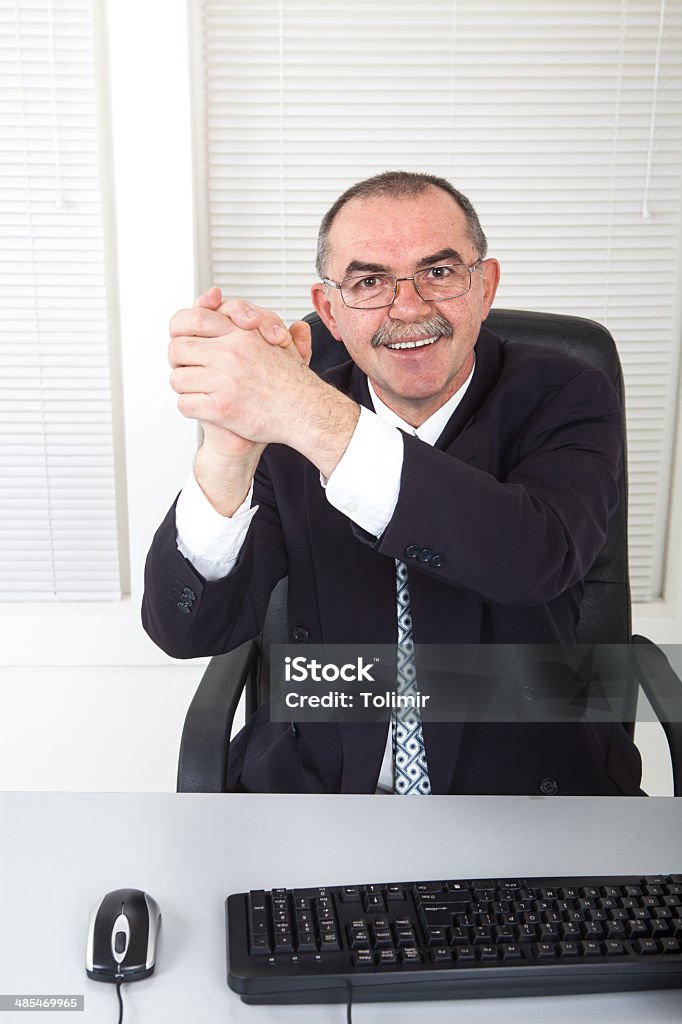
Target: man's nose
<point>408,304</point>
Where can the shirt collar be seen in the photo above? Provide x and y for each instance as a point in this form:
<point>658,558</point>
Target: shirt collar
<point>433,427</point>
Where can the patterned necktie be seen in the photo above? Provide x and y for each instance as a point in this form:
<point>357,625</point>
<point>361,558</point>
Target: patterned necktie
<point>410,770</point>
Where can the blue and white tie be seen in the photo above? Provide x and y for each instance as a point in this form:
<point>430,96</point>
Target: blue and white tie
<point>410,770</point>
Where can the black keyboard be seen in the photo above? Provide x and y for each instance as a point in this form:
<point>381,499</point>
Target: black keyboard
<point>455,939</point>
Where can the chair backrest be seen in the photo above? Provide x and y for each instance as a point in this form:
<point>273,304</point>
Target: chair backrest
<point>605,610</point>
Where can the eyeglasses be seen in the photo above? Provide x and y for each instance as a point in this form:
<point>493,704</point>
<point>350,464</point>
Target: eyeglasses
<point>434,284</point>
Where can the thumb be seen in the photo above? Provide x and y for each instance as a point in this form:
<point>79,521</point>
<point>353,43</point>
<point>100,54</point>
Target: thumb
<point>300,333</point>
<point>210,299</point>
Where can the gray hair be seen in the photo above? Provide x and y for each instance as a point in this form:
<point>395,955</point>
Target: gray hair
<point>397,185</point>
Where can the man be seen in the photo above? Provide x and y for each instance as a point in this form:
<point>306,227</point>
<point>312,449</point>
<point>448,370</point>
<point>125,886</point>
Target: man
<point>488,470</point>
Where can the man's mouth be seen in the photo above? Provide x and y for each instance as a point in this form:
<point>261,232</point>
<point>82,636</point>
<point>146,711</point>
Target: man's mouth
<point>418,343</point>
<point>400,337</point>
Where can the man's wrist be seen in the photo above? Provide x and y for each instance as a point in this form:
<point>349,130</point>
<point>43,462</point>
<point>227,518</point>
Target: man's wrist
<point>225,480</point>
<point>325,426</point>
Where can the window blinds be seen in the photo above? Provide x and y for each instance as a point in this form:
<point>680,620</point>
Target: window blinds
<point>58,530</point>
<point>560,121</point>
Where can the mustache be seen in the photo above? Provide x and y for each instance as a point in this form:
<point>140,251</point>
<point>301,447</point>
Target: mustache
<point>392,332</point>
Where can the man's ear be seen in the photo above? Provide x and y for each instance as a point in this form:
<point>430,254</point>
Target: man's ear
<point>491,279</point>
<point>323,306</point>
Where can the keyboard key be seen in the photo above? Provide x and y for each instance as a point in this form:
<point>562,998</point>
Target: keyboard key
<point>544,951</point>
<point>363,958</point>
<point>382,937</point>
<point>441,954</point>
<point>670,946</point>
<point>387,957</point>
<point>646,947</point>
<point>284,943</point>
<point>591,949</point>
<point>405,937</point>
<point>487,953</point>
<point>259,945</point>
<point>359,938</point>
<point>593,930</point>
<point>526,933</point>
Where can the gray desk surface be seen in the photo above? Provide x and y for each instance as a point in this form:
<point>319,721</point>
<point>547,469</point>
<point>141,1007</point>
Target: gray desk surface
<point>61,852</point>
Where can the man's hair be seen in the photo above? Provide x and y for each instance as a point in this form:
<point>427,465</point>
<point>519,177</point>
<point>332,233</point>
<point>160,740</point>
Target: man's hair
<point>397,185</point>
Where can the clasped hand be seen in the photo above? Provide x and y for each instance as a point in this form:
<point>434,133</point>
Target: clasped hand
<point>238,368</point>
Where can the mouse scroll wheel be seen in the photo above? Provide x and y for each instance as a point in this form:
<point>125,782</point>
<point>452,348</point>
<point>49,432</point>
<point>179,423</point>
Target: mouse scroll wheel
<point>120,937</point>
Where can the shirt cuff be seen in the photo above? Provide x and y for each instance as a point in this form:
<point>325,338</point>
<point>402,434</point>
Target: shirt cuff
<point>210,541</point>
<point>366,482</point>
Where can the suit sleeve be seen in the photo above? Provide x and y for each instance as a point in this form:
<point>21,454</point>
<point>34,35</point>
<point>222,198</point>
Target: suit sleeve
<point>188,617</point>
<point>528,536</point>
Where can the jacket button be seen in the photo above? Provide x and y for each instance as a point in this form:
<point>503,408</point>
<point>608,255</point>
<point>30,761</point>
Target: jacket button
<point>437,561</point>
<point>550,787</point>
<point>425,555</point>
<point>184,608</point>
<point>528,693</point>
<point>189,595</point>
<point>412,551</point>
<point>301,635</point>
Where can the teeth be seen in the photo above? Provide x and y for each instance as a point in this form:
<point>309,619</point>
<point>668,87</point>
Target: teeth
<point>413,344</point>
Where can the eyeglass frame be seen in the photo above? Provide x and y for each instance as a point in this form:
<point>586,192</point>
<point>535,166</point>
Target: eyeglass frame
<point>397,280</point>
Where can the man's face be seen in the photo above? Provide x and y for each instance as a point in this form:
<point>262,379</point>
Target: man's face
<point>401,236</point>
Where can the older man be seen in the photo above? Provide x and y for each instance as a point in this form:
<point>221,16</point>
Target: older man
<point>441,487</point>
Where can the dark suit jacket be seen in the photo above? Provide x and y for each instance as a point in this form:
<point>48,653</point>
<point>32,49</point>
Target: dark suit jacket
<point>511,505</point>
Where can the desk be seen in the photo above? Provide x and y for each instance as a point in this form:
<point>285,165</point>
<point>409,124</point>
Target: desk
<point>61,852</point>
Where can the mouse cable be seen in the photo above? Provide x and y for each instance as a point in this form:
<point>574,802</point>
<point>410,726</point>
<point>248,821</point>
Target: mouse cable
<point>120,999</point>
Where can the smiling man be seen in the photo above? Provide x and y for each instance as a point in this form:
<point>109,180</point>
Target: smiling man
<point>442,487</point>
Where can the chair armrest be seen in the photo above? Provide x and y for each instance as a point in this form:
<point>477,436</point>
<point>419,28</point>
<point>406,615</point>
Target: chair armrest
<point>202,764</point>
<point>663,689</point>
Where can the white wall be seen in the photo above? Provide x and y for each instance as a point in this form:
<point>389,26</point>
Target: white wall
<point>88,701</point>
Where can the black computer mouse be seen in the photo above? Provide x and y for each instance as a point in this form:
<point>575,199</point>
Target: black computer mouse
<point>122,936</point>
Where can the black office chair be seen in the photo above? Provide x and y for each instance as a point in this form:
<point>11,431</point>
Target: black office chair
<point>605,613</point>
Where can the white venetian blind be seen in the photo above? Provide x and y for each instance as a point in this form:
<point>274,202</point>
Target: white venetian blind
<point>561,121</point>
<point>58,529</point>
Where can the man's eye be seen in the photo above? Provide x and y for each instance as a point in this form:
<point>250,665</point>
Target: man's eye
<point>369,282</point>
<point>439,273</point>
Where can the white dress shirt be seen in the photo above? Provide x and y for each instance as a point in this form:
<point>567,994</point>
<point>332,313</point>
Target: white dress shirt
<point>364,486</point>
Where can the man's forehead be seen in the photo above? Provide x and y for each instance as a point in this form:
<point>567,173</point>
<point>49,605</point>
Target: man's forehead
<point>386,228</point>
